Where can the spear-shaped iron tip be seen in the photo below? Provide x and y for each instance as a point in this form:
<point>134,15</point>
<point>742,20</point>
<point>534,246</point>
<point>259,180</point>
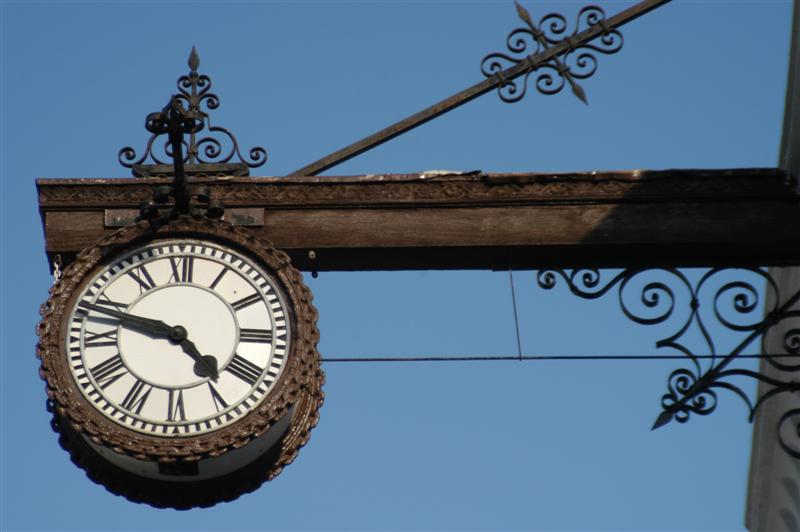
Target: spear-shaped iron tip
<point>665,417</point>
<point>194,59</point>
<point>578,91</point>
<point>523,13</point>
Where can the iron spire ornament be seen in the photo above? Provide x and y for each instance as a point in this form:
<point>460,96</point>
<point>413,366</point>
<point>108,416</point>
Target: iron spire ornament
<point>211,155</point>
<point>204,157</point>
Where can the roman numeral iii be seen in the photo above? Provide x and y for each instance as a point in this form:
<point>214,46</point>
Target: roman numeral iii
<point>262,336</point>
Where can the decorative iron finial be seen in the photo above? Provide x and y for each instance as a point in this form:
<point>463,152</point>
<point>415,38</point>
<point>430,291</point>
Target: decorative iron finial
<point>204,156</point>
<point>578,62</point>
<point>194,60</point>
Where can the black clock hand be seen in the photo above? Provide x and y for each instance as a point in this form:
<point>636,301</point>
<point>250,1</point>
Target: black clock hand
<point>154,327</point>
<point>205,366</point>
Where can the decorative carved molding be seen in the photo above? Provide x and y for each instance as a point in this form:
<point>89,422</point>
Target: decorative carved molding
<point>432,188</point>
<point>438,219</point>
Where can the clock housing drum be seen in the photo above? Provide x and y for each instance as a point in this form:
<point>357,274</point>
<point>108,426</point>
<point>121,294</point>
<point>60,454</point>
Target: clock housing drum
<point>182,355</point>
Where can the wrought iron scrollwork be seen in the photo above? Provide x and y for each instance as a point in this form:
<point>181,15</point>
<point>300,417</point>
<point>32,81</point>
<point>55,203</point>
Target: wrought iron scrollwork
<point>179,198</point>
<point>651,297</point>
<point>579,61</point>
<point>212,154</point>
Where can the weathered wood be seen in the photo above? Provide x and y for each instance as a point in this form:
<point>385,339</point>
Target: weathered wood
<point>439,220</point>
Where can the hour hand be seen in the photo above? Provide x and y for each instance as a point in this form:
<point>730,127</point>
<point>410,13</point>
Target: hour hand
<point>153,327</point>
<point>204,366</point>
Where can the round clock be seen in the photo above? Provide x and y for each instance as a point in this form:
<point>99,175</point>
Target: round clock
<point>188,356</point>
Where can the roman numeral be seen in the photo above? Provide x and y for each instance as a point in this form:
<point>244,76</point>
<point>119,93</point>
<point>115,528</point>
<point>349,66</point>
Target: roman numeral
<point>219,277</point>
<point>244,369</point>
<point>136,397</point>
<point>219,402</point>
<point>182,269</point>
<point>105,301</point>
<point>105,373</point>
<point>142,276</point>
<point>261,336</point>
<point>108,338</point>
<point>82,305</point>
<point>175,410</point>
<point>246,301</point>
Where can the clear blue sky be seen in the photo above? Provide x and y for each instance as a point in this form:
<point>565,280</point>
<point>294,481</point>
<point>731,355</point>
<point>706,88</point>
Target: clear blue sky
<point>481,446</point>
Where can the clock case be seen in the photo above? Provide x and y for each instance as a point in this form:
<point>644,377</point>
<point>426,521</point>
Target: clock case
<point>87,434</point>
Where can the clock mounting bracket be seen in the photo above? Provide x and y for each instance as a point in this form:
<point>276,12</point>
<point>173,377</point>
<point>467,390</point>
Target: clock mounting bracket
<point>213,155</point>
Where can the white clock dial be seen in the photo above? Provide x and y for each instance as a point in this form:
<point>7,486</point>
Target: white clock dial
<point>178,338</point>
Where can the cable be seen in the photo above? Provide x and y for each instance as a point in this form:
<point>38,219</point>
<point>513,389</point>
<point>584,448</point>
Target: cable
<point>514,306</point>
<point>502,358</point>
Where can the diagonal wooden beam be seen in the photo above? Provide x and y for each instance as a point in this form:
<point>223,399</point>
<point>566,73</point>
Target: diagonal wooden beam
<point>479,89</point>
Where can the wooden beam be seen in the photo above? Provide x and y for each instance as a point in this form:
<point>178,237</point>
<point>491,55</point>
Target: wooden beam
<point>442,220</point>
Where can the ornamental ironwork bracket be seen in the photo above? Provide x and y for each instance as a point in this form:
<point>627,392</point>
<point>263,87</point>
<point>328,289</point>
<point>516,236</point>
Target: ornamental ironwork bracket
<point>735,308</point>
<point>183,115</point>
<point>207,156</point>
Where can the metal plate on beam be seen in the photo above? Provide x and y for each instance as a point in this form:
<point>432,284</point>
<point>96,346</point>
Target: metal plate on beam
<point>247,217</point>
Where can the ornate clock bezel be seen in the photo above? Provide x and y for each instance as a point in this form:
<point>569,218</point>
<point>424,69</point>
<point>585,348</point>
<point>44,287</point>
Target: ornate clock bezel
<point>299,384</point>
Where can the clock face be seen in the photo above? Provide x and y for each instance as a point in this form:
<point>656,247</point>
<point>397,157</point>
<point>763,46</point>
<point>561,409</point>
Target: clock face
<point>178,337</point>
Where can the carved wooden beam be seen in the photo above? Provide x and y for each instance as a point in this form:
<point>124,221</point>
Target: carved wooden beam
<point>446,220</point>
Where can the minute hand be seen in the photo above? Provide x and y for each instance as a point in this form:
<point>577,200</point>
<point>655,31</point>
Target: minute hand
<point>154,327</point>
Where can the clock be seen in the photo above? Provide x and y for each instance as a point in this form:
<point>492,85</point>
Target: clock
<point>185,357</point>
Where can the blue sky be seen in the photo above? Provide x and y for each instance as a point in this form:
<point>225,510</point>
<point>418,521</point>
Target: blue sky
<point>478,446</point>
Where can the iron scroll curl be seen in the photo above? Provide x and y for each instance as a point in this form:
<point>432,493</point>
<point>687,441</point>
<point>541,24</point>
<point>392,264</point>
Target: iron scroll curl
<point>654,296</point>
<point>218,147</point>
<point>577,63</point>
